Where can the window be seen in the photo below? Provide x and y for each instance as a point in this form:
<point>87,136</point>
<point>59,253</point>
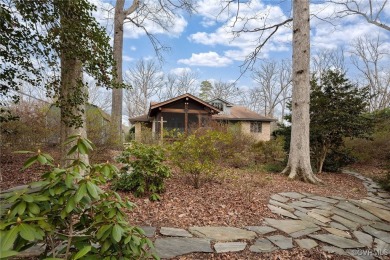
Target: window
<point>255,127</point>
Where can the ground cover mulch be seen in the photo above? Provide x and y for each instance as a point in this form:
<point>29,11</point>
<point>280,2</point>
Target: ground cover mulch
<point>239,200</point>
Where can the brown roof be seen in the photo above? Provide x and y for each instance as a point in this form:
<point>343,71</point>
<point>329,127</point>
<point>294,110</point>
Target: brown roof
<point>239,113</point>
<point>143,118</point>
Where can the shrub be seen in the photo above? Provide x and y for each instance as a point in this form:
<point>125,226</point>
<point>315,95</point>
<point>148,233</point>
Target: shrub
<point>197,155</point>
<point>144,171</point>
<point>71,214</point>
<point>337,159</point>
<point>270,151</point>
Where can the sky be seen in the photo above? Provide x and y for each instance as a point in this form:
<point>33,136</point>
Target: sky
<point>203,42</point>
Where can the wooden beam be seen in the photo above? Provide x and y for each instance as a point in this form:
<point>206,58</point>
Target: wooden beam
<point>186,117</point>
<point>178,110</point>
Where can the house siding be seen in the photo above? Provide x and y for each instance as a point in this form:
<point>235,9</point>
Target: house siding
<point>265,134</point>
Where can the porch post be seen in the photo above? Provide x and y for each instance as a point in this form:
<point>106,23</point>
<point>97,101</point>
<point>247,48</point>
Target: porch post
<point>186,117</point>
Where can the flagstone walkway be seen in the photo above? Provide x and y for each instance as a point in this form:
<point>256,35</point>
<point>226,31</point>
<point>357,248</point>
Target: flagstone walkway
<point>358,228</point>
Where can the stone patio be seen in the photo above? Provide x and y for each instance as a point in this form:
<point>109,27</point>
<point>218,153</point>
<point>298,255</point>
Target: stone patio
<point>333,224</point>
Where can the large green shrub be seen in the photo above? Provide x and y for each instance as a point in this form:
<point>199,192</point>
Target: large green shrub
<point>143,171</point>
<point>197,155</point>
<point>70,213</point>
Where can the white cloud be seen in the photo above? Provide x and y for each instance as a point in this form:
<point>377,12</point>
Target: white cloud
<point>208,59</point>
<point>241,45</point>
<point>127,58</point>
<point>175,29</point>
<point>179,71</point>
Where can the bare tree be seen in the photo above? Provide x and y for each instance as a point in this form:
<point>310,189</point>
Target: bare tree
<point>298,165</point>
<point>225,90</point>
<point>274,80</point>
<point>178,84</point>
<point>139,13</point>
<point>326,60</point>
<point>252,99</point>
<point>146,79</point>
<point>369,58</point>
<point>99,96</point>
<point>371,10</point>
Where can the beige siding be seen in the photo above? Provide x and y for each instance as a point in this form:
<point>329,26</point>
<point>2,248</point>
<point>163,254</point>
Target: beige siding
<point>265,134</point>
<point>138,134</point>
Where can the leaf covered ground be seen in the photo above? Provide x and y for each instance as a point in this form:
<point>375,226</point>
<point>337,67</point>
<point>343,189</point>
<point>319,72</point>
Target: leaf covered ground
<point>236,198</point>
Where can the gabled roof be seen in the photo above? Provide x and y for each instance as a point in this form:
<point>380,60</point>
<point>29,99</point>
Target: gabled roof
<point>224,101</point>
<point>187,95</point>
<point>240,113</point>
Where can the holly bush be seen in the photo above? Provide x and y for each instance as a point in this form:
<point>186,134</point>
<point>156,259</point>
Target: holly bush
<point>70,213</point>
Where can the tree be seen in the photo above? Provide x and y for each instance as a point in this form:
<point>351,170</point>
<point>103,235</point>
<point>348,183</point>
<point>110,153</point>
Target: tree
<point>139,13</point>
<point>69,33</point>
<point>298,165</point>
<point>146,80</point>
<point>205,88</point>
<point>224,90</point>
<point>17,44</point>
<point>274,80</point>
<point>337,110</point>
<point>177,84</point>
<point>370,55</point>
<point>373,11</point>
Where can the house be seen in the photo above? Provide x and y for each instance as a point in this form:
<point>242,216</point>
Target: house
<point>187,112</point>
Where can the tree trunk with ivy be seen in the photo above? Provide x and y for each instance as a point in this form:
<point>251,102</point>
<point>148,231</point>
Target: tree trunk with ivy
<point>298,166</point>
<point>72,94</point>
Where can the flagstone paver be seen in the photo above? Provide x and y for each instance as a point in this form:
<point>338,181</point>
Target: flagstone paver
<point>302,204</point>
<point>279,198</point>
<point>338,232</point>
<point>363,238</point>
<point>262,245</point>
<point>149,231</point>
<point>281,241</point>
<point>334,250</point>
<point>304,232</point>
<point>289,226</point>
<point>293,195</point>
<point>318,217</point>
<point>345,222</point>
<point>381,226</point>
<point>174,232</point>
<point>357,211</point>
<point>337,241</point>
<point>282,212</point>
<point>381,213</point>
<point>306,243</point>
<point>282,205</point>
<point>222,233</point>
<point>261,229</point>
<point>325,199</point>
<point>382,246</point>
<point>229,247</point>
<point>382,235</point>
<point>170,247</point>
<point>337,225</point>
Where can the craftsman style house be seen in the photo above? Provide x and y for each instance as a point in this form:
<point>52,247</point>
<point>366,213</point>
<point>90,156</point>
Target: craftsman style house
<point>187,112</point>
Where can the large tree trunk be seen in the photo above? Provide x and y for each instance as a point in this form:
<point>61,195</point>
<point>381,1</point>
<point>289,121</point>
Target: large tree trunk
<point>298,166</point>
<point>71,90</point>
<point>72,93</point>
<point>117,93</point>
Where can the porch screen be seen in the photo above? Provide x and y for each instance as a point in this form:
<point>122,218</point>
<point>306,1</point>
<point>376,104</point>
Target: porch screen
<point>173,121</point>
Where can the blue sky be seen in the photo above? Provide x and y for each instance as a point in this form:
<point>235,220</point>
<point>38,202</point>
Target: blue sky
<point>203,42</point>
